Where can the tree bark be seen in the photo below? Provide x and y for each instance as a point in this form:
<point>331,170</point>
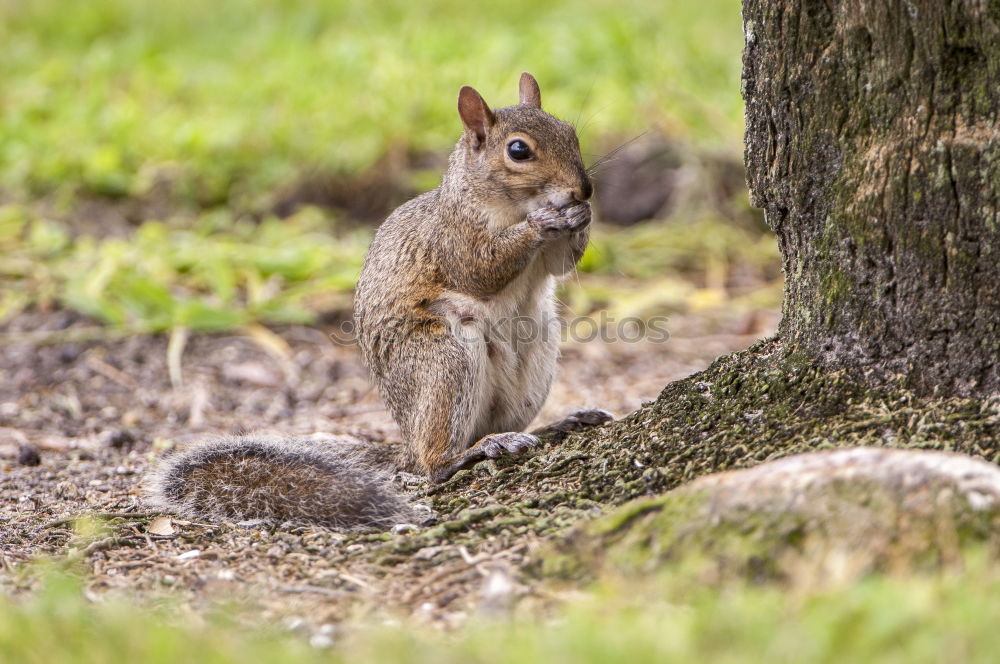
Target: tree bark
<point>873,146</point>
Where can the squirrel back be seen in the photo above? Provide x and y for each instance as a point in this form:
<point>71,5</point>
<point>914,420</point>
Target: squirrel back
<point>247,477</point>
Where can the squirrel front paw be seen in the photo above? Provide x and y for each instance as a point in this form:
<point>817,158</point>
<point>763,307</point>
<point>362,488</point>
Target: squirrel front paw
<point>553,222</point>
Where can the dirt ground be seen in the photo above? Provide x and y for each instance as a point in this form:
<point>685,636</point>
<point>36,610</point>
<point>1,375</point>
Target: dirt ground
<point>81,422</point>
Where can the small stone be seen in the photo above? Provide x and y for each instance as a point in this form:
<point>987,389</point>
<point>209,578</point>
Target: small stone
<point>132,418</point>
<point>404,528</point>
<point>123,439</point>
<point>253,373</point>
<point>498,589</point>
<point>68,353</point>
<point>320,641</point>
<point>429,552</point>
<point>66,489</point>
<point>28,455</point>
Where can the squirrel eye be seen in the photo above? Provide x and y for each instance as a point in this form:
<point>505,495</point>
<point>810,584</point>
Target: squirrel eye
<point>518,150</point>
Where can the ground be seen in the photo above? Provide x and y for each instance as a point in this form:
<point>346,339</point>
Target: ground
<point>98,413</point>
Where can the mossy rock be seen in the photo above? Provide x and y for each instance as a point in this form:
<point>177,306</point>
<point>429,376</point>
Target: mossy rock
<point>822,516</point>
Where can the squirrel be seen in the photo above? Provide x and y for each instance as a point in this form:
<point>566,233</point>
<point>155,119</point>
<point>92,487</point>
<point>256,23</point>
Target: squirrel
<point>456,320</point>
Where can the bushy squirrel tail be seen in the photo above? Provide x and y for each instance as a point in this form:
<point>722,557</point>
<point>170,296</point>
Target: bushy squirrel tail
<point>246,478</point>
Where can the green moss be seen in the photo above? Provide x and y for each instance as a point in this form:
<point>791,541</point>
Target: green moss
<point>835,285</point>
<point>621,518</point>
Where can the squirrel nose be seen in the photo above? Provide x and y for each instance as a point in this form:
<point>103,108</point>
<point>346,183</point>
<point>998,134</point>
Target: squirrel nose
<point>584,191</point>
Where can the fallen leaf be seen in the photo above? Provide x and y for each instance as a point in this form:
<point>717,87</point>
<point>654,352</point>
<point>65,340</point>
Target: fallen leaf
<point>161,525</point>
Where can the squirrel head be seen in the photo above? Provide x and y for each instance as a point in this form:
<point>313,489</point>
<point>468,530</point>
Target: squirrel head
<point>519,157</point>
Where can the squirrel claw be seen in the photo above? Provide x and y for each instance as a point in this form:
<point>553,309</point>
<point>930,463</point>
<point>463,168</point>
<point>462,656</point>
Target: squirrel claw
<point>553,222</point>
<point>512,442</point>
<point>591,416</point>
<point>577,216</point>
<point>549,220</point>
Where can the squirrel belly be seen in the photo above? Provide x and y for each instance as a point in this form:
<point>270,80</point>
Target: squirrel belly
<point>277,480</point>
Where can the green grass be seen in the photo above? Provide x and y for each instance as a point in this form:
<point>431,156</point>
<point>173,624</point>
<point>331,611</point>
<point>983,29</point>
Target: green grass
<point>227,100</point>
<point>946,618</point>
<point>657,268</point>
<point>216,274</point>
<point>212,110</point>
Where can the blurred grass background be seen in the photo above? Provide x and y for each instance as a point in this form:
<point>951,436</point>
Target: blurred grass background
<point>672,618</point>
<point>210,165</point>
<point>229,99</point>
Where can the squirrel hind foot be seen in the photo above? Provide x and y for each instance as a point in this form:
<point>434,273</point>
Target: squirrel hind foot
<point>277,480</point>
<point>488,447</point>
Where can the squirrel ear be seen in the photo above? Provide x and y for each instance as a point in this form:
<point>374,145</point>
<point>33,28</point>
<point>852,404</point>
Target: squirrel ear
<point>476,115</point>
<point>530,94</point>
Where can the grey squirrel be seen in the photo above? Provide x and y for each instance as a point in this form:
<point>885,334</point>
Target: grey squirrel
<point>457,324</point>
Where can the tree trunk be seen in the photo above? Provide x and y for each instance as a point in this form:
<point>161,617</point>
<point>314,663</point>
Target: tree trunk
<point>873,145</point>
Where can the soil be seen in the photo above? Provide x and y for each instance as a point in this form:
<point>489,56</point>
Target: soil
<point>80,423</point>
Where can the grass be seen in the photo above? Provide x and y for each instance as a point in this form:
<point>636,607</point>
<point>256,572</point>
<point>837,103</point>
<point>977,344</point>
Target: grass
<point>213,111</point>
<point>198,277</point>
<point>228,100</point>
<point>657,268</point>
<point>949,617</point>
<point>218,273</point>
